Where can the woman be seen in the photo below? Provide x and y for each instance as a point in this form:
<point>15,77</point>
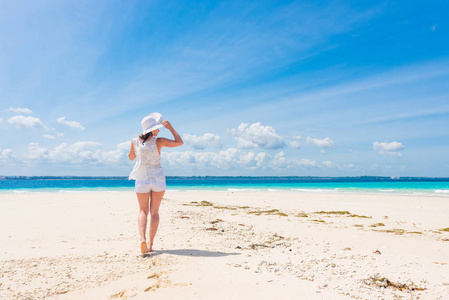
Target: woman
<point>149,176</point>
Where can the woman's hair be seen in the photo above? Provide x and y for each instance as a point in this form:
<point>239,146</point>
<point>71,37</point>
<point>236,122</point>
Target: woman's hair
<point>146,136</point>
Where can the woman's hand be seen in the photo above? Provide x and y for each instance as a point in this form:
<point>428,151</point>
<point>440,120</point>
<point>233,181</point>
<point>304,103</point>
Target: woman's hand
<point>167,124</point>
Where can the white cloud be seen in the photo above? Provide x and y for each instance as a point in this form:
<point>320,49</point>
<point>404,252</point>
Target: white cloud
<point>233,158</point>
<point>295,144</point>
<point>385,148</point>
<point>201,142</point>
<point>256,135</point>
<point>35,152</point>
<point>18,110</point>
<point>245,144</point>
<point>354,151</point>
<point>26,122</point>
<point>72,124</point>
<point>53,135</point>
<point>125,146</point>
<point>324,143</point>
<point>434,27</point>
<point>330,165</point>
<point>5,154</point>
<point>77,153</point>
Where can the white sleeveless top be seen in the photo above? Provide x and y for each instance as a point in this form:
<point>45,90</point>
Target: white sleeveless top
<point>148,160</point>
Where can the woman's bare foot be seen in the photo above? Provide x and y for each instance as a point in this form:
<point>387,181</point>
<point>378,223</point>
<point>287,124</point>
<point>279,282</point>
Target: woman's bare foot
<point>143,247</point>
<point>150,247</point>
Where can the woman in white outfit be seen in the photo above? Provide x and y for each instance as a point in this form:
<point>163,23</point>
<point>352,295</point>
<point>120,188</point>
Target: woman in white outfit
<point>148,173</point>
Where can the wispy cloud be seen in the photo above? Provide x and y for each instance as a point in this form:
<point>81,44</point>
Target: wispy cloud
<point>295,144</point>
<point>26,122</point>
<point>249,43</point>
<point>17,110</point>
<point>324,143</point>
<point>72,124</point>
<point>81,153</point>
<point>256,135</point>
<point>6,154</point>
<point>201,142</point>
<point>233,158</point>
<point>392,148</point>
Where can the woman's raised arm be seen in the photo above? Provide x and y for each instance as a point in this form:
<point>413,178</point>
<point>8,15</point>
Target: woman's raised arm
<point>163,142</point>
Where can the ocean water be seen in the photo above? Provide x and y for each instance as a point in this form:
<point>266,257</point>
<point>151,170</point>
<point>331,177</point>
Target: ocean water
<point>364,184</point>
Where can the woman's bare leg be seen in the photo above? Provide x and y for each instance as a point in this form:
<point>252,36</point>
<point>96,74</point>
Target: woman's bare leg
<point>143,214</point>
<point>155,203</point>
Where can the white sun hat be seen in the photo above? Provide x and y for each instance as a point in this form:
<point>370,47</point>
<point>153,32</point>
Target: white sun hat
<point>152,122</point>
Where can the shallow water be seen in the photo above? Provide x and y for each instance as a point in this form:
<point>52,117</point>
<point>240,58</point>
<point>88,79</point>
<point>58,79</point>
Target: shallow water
<point>382,185</point>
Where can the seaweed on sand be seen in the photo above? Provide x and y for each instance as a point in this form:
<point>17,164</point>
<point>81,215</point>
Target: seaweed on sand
<point>319,221</point>
<point>341,213</point>
<point>225,207</point>
<point>268,212</point>
<point>397,231</point>
<point>202,203</point>
<point>383,282</point>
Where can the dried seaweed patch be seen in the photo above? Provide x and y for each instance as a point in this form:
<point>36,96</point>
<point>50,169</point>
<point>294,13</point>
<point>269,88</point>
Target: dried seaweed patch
<point>395,231</point>
<point>202,203</point>
<point>268,212</point>
<point>319,221</point>
<point>118,295</point>
<point>333,212</point>
<point>359,216</point>
<point>225,207</point>
<point>341,213</point>
<point>383,282</point>
<point>258,246</point>
<point>377,225</point>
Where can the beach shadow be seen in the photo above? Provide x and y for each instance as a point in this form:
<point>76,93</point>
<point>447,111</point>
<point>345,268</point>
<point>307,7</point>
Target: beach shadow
<point>190,252</point>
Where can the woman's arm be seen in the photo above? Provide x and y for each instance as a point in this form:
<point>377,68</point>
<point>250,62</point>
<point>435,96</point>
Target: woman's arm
<point>163,142</point>
<point>131,154</point>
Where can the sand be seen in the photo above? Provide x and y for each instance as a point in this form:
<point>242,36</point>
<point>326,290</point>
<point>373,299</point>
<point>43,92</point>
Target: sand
<point>225,245</point>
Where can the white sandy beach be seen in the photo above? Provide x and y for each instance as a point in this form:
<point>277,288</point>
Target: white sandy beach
<point>85,245</point>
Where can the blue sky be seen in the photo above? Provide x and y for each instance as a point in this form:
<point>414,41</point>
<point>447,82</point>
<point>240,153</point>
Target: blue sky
<point>319,88</point>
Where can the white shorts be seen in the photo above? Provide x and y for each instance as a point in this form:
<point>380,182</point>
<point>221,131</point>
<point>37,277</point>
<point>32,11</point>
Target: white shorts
<point>152,184</point>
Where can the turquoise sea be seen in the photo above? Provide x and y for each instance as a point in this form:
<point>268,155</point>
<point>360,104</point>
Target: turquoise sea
<point>364,184</point>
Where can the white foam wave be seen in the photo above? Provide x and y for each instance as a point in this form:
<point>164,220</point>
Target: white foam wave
<point>241,190</point>
<point>442,191</point>
<point>20,192</point>
<point>316,190</point>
